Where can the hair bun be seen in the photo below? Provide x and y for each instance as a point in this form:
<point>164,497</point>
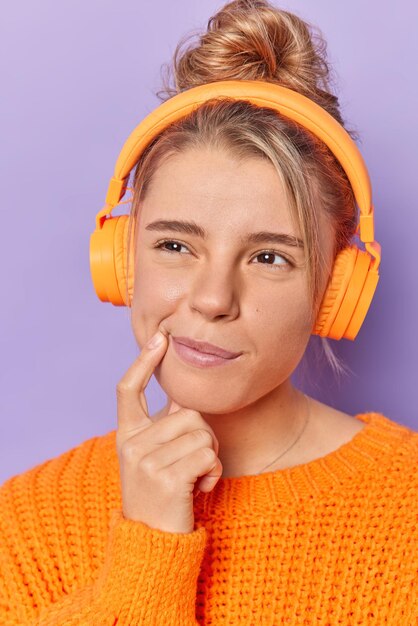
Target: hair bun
<point>254,40</point>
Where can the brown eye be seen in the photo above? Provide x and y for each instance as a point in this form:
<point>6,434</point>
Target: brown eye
<point>272,253</point>
<point>171,241</point>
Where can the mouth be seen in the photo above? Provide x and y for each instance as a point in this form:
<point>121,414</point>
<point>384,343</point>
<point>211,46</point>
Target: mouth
<point>200,359</point>
<point>206,348</point>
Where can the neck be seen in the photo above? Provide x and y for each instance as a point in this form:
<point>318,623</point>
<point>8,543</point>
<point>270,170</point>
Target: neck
<point>253,436</point>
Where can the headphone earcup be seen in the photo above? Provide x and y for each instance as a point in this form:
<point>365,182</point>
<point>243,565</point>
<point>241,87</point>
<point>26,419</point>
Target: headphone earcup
<point>108,259</point>
<point>125,284</point>
<point>348,295</point>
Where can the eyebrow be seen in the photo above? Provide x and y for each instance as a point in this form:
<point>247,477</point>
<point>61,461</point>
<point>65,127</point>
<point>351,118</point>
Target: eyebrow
<point>191,228</point>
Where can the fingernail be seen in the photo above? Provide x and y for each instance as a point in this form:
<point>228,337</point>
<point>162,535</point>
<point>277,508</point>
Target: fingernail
<point>156,340</point>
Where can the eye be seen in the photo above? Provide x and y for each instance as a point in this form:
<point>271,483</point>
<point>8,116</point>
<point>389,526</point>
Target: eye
<point>273,253</point>
<point>162,243</point>
<point>263,253</point>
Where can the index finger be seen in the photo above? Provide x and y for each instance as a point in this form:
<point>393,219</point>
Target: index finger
<point>132,404</point>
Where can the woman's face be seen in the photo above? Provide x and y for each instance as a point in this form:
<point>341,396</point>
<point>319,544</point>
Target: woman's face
<point>242,296</point>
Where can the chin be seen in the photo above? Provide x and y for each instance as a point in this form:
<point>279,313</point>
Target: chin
<point>201,396</point>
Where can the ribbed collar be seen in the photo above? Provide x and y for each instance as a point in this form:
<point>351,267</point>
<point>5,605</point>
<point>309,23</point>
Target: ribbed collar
<point>361,459</point>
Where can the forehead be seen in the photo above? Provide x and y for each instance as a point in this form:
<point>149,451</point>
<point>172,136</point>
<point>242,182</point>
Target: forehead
<point>218,190</point>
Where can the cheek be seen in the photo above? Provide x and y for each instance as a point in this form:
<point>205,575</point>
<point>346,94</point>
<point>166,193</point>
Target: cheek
<point>154,286</point>
<point>281,324</point>
<point>153,301</point>
<point>284,313</point>
<point>282,327</point>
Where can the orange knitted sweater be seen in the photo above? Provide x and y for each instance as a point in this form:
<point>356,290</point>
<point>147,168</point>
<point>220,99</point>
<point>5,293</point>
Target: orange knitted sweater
<point>330,542</point>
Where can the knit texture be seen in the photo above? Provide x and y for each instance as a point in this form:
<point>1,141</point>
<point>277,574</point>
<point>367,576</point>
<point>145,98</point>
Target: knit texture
<point>329,542</point>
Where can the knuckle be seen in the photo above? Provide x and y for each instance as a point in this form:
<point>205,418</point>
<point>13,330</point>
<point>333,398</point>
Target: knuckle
<point>194,417</point>
<point>202,424</point>
<point>209,453</point>
<point>203,436</point>
<point>129,452</point>
<point>121,389</point>
<point>170,481</point>
<point>148,464</point>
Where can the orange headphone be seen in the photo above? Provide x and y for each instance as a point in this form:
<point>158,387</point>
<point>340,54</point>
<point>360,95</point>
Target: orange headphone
<point>354,276</point>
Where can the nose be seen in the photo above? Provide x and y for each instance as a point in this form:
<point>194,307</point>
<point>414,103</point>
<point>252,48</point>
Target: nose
<point>215,291</point>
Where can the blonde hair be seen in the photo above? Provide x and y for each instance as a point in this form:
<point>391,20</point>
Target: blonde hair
<point>252,39</point>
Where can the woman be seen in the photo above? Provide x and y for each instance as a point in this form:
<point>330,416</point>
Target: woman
<point>243,500</point>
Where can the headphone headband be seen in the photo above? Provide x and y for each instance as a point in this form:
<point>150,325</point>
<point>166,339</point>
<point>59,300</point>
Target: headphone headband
<point>286,101</point>
<point>354,277</point>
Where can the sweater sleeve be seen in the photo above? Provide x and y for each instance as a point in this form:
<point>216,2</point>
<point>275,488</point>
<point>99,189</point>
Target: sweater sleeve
<point>148,577</point>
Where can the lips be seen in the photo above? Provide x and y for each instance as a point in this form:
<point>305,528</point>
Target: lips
<point>207,348</point>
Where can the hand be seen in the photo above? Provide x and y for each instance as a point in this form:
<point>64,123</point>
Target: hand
<point>161,461</point>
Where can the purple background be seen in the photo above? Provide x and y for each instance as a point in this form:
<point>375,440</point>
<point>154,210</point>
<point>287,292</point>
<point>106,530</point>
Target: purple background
<point>77,77</point>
